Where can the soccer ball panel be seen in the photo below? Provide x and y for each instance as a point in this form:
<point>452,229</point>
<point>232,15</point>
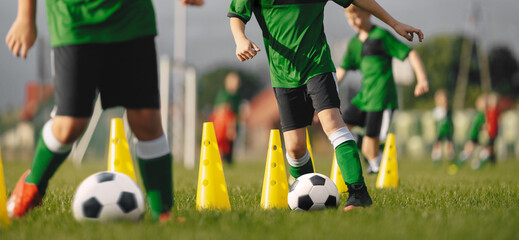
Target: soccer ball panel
<point>91,208</point>
<point>319,194</point>
<point>317,180</point>
<point>127,202</point>
<point>332,202</point>
<point>317,206</point>
<point>305,202</point>
<point>112,212</point>
<point>106,192</point>
<point>105,177</point>
<point>331,187</point>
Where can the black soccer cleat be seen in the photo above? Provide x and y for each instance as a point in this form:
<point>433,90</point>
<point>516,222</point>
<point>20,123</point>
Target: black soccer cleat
<point>358,197</point>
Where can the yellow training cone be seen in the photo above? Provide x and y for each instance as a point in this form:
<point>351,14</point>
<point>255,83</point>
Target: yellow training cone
<point>336,176</point>
<point>119,157</point>
<point>4,219</point>
<point>309,148</point>
<point>211,192</point>
<point>388,174</point>
<point>275,185</point>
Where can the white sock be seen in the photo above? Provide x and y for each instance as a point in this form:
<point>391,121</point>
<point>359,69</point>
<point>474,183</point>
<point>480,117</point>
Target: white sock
<point>374,164</point>
<point>300,161</point>
<point>339,136</point>
<point>153,148</point>
<point>52,143</point>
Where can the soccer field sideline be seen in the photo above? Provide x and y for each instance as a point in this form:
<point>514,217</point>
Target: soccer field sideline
<point>429,204</point>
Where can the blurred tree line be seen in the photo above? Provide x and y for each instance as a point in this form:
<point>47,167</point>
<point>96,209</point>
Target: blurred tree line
<point>441,59</point>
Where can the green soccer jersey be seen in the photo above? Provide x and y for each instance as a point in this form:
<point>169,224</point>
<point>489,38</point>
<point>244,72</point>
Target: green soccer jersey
<point>99,21</point>
<point>293,34</point>
<point>373,58</point>
<point>443,121</point>
<point>478,120</point>
<point>233,99</point>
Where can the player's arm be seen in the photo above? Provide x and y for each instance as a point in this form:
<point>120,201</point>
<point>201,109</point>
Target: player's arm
<point>402,29</point>
<point>422,85</point>
<point>245,49</point>
<point>341,73</point>
<point>22,34</point>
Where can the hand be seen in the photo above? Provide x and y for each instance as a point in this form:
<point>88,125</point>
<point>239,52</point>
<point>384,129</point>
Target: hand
<point>421,88</point>
<point>246,49</point>
<point>21,37</point>
<point>193,2</point>
<point>408,32</point>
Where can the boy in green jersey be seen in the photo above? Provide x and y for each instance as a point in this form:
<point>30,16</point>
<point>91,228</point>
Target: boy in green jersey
<point>371,51</point>
<point>442,115</point>
<point>303,77</point>
<point>476,125</point>
<point>106,46</point>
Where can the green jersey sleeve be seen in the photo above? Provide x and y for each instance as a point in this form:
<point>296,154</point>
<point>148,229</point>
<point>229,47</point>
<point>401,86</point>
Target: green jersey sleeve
<point>351,60</point>
<point>241,9</point>
<point>395,48</point>
<point>343,3</point>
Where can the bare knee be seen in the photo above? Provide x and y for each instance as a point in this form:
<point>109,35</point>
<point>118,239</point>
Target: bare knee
<point>296,150</point>
<point>67,129</point>
<point>146,124</point>
<point>295,142</point>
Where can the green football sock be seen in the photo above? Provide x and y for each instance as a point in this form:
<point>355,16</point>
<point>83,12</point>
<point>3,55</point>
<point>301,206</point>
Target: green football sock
<point>44,165</point>
<point>299,171</point>
<point>348,160</point>
<point>157,176</point>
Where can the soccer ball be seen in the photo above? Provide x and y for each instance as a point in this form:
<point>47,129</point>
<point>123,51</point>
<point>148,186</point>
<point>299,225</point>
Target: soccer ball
<point>313,191</point>
<point>106,196</point>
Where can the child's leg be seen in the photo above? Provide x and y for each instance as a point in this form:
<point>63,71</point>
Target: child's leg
<point>436,153</point>
<point>53,147</point>
<point>347,158</point>
<point>370,149</point>
<point>154,158</point>
<point>298,156</point>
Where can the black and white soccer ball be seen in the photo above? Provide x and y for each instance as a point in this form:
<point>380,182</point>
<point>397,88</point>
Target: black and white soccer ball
<point>108,196</point>
<point>313,191</point>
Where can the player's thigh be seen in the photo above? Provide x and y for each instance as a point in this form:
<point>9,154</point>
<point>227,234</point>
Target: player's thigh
<point>130,75</point>
<point>323,91</point>
<point>76,71</point>
<point>295,108</point>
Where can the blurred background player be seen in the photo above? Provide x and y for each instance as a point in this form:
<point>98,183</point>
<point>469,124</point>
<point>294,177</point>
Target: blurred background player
<point>492,114</point>
<point>442,115</point>
<point>106,46</point>
<point>371,51</point>
<point>225,115</point>
<point>303,77</point>
<point>476,125</point>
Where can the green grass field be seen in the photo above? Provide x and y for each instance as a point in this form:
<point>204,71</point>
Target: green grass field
<point>428,204</point>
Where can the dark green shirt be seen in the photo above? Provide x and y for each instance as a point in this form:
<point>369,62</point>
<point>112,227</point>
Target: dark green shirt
<point>99,21</point>
<point>443,119</point>
<point>233,99</point>
<point>373,58</point>
<point>293,34</point>
<point>478,120</point>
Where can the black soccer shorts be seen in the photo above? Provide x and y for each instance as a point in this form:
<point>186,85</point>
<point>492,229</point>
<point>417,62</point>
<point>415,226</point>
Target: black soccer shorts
<point>297,105</point>
<point>124,73</point>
